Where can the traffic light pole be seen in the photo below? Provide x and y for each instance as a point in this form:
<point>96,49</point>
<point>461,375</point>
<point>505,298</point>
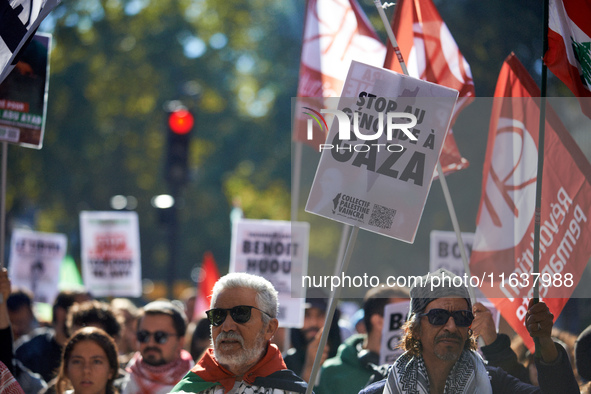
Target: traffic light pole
<point>180,124</point>
<point>173,232</point>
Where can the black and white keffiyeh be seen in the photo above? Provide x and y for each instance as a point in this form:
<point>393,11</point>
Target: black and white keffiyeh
<point>468,375</point>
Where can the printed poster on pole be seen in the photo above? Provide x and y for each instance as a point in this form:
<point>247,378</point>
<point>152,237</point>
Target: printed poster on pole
<point>278,251</point>
<point>20,20</point>
<point>111,263</point>
<point>35,262</point>
<point>378,179</point>
<point>23,95</point>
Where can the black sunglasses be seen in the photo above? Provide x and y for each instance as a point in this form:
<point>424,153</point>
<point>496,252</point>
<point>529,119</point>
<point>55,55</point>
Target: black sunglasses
<point>240,314</point>
<point>439,317</point>
<point>160,337</point>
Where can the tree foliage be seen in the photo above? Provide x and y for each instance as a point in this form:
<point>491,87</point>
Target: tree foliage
<point>114,67</point>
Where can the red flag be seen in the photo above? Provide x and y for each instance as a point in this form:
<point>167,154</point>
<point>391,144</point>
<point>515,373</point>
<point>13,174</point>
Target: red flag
<point>208,276</point>
<point>335,32</point>
<point>569,47</point>
<point>431,54</point>
<point>503,244</point>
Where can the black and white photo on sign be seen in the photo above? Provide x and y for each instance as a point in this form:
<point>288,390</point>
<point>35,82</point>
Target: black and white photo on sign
<point>35,261</point>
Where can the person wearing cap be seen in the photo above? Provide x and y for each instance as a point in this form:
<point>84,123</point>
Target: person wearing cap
<point>440,351</point>
<point>161,360</point>
<point>243,318</point>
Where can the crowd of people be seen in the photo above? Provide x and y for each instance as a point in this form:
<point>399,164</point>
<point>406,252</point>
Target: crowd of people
<point>94,346</point>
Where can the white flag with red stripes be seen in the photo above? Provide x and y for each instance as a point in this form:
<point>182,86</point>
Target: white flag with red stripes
<point>431,54</point>
<point>335,32</point>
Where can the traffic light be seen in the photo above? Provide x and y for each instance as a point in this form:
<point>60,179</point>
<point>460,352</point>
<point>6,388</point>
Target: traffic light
<point>180,124</point>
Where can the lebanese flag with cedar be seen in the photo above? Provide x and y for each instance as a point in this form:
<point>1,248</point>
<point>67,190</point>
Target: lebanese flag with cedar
<point>335,32</point>
<point>569,47</point>
<point>208,276</point>
<point>503,243</point>
<point>431,54</point>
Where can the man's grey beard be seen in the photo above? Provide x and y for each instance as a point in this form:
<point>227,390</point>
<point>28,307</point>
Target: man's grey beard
<point>241,358</point>
<point>449,356</point>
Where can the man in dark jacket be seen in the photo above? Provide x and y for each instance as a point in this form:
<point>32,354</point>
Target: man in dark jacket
<point>440,350</point>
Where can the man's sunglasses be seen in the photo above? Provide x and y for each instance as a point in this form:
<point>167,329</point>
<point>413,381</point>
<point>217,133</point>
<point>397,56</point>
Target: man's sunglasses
<point>439,317</point>
<point>160,337</point>
<point>240,314</point>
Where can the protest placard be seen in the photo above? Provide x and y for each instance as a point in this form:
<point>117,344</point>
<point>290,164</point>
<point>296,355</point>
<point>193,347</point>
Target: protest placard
<point>20,20</point>
<point>278,251</point>
<point>23,95</point>
<point>395,316</point>
<point>111,264</point>
<point>378,161</point>
<point>35,262</point>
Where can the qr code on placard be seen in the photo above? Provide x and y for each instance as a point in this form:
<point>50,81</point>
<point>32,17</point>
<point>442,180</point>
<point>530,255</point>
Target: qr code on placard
<point>382,217</point>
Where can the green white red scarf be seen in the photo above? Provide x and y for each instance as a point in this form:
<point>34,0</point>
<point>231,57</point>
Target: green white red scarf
<point>208,372</point>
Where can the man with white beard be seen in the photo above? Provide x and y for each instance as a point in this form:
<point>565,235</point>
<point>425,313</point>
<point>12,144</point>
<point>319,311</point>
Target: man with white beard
<point>243,318</point>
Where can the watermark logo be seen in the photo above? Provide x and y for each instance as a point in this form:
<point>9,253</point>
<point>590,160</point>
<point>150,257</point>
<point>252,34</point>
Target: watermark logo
<point>365,127</point>
<point>317,117</point>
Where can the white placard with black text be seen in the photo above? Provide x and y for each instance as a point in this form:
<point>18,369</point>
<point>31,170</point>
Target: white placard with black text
<point>278,251</point>
<point>378,177</point>
<point>394,317</point>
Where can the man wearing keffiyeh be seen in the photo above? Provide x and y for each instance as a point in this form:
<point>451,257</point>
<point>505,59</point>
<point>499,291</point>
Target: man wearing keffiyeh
<point>161,360</point>
<point>440,354</point>
<point>243,318</point>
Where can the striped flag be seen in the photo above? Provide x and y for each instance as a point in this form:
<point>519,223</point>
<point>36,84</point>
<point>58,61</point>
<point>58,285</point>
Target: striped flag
<point>335,32</point>
<point>431,54</point>
<point>569,47</point>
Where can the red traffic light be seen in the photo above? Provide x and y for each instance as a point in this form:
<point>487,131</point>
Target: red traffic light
<point>181,121</point>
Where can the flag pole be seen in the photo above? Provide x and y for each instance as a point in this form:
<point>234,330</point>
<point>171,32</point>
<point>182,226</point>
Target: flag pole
<point>539,176</point>
<point>442,180</point>
<point>542,132</point>
<point>391,36</point>
<point>3,206</point>
<point>295,181</point>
